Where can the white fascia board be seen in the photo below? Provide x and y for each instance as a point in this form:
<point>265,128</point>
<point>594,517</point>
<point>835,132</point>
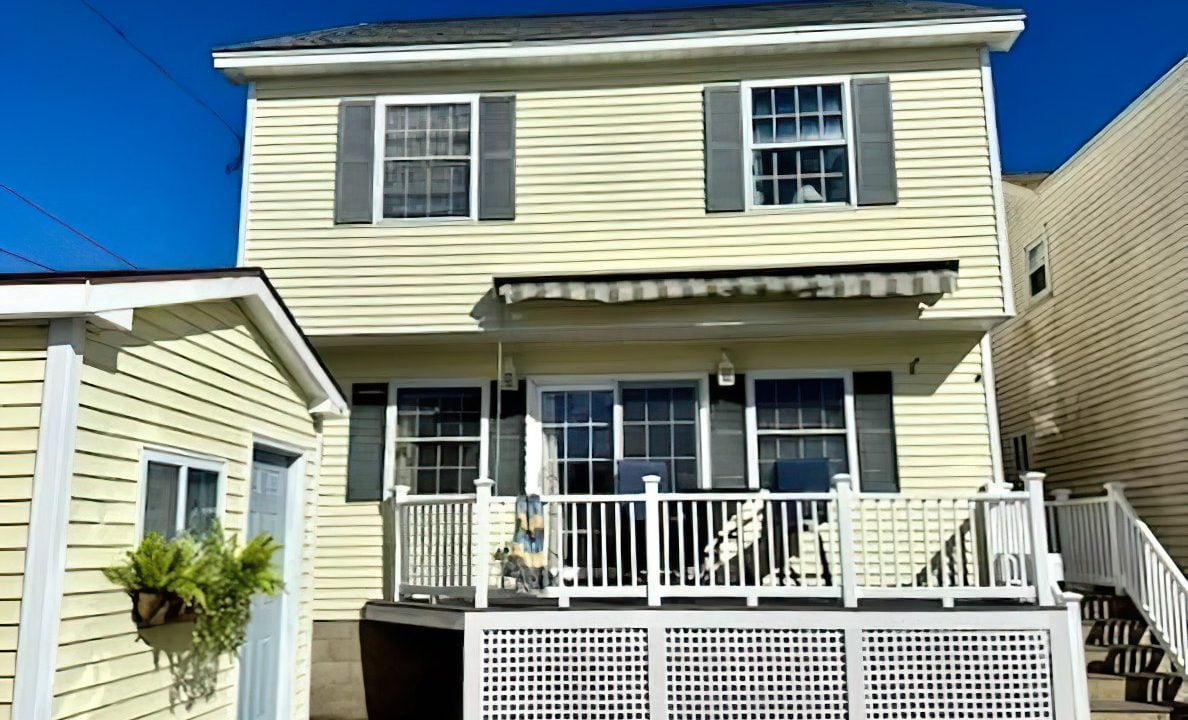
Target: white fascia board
<point>112,303</point>
<point>999,33</point>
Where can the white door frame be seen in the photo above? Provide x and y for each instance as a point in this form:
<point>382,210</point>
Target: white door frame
<point>292,546</point>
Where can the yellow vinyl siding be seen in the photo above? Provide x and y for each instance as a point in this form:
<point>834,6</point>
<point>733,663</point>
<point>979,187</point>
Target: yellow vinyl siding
<point>191,377</point>
<point>1097,372</point>
<point>609,164</point>
<point>22,371</point>
<point>940,418</point>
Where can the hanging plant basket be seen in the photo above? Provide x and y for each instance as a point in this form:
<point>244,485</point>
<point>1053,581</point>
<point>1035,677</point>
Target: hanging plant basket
<point>163,621</point>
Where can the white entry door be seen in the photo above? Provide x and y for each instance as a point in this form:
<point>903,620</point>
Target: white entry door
<point>259,669</point>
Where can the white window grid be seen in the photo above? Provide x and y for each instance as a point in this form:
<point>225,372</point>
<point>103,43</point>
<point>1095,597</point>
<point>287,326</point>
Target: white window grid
<point>382,105</point>
<point>184,461</point>
<point>957,675</point>
<point>412,442</point>
<point>846,142</point>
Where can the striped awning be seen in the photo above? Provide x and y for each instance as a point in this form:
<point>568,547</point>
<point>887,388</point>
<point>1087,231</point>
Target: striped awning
<point>853,281</point>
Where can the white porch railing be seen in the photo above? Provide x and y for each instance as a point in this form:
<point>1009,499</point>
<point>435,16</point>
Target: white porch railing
<point>842,544</point>
<point>1103,542</point>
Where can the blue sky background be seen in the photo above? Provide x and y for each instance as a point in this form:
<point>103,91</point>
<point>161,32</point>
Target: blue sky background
<point>93,133</point>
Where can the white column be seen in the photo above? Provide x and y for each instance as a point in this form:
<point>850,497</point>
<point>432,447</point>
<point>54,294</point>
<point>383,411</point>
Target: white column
<point>1117,499</point>
<point>652,535</point>
<point>399,495</point>
<point>843,488</point>
<point>49,515</point>
<point>481,570</point>
<point>1033,482</point>
<point>1070,682</point>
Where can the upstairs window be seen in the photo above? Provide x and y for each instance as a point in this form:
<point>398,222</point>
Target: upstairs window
<point>427,151</point>
<point>798,139</point>
<point>1037,267</point>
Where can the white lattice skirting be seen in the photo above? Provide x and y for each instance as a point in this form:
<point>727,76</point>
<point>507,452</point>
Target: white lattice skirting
<point>778,665</point>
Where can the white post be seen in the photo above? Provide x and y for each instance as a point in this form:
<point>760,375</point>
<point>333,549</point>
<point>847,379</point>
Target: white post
<point>652,535</point>
<point>399,496</point>
<point>843,488</point>
<point>1033,482</point>
<point>1117,497</point>
<point>481,539</point>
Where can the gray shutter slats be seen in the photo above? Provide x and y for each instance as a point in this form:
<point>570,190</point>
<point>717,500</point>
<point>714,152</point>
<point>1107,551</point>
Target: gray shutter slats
<point>874,416</point>
<point>874,141</point>
<point>497,158</point>
<point>728,433</point>
<point>724,183</point>
<point>354,162</point>
<point>508,408</point>
<point>365,445</point>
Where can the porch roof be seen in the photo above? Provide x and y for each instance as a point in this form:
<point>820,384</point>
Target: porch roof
<point>905,279</point>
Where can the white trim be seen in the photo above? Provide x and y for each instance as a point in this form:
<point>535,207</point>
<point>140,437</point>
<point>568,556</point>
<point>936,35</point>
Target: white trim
<point>83,297</point>
<point>183,460</point>
<point>534,433</point>
<point>49,518</point>
<point>1000,221</point>
<point>989,386</point>
<point>246,169</point>
<point>752,424</point>
<point>293,545</point>
<point>998,32</point>
<point>383,102</point>
<point>390,437</point>
<point>847,137</point>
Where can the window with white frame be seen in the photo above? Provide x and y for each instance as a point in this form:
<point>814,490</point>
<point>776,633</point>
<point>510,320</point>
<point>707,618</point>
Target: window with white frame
<point>181,493</point>
<point>798,142</point>
<point>1037,267</point>
<point>426,166</point>
<point>800,419</point>
<point>588,429</point>
<point>439,438</point>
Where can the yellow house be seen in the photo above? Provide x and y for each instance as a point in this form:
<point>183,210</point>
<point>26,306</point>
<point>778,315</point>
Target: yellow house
<point>130,402</point>
<point>712,255</point>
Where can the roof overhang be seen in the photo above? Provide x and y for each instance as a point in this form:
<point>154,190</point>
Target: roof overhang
<point>110,299</point>
<point>997,33</point>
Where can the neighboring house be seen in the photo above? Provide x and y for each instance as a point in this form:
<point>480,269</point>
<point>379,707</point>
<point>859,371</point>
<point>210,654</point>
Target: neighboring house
<point>128,402</point>
<point>1092,381</point>
<point>740,249</point>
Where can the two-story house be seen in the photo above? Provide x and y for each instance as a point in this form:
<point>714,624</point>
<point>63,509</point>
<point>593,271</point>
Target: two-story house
<point>677,308</point>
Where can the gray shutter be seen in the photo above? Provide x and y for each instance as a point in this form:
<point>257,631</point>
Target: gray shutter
<point>874,414</point>
<point>365,445</point>
<point>497,158</point>
<point>508,409</point>
<point>356,154</point>
<point>724,183</point>
<point>874,141</point>
<point>728,432</point>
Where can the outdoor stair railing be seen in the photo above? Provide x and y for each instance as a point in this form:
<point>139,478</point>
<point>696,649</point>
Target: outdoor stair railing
<point>1104,542</point>
<point>842,545</point>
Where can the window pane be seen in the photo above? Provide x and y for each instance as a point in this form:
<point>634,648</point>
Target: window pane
<point>760,102</point>
<point>800,404</point>
<point>439,412</point>
<point>785,101</point>
<point>835,160</point>
<point>1038,281</point>
<point>445,467</point>
<point>762,130</point>
<point>808,99</point>
<point>578,440</point>
<point>202,496</point>
<point>160,499</point>
<point>785,129</point>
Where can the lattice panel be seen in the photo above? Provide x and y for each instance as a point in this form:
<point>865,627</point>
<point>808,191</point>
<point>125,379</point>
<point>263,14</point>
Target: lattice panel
<point>757,674</point>
<point>547,674</point>
<point>957,675</point>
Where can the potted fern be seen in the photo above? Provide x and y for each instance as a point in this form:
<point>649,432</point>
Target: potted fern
<point>164,578</point>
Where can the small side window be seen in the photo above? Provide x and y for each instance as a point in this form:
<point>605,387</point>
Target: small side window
<point>181,494</point>
<point>1037,267</point>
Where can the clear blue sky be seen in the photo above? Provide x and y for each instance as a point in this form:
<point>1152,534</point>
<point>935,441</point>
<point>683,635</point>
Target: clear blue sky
<point>93,133</point>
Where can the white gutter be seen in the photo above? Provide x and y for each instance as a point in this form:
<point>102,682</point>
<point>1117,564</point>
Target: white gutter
<point>996,32</point>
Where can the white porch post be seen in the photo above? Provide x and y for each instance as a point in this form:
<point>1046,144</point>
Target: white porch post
<point>481,552</point>
<point>843,488</point>
<point>1037,516</point>
<point>652,535</point>
<point>1117,496</point>
<point>399,495</point>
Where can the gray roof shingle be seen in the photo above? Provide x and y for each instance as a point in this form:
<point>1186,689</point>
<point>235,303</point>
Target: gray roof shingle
<point>529,28</point>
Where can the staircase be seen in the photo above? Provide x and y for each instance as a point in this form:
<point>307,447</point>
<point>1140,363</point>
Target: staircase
<point>1130,675</point>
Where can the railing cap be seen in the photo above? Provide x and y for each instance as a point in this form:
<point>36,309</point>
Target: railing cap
<point>1033,476</point>
<point>484,483</point>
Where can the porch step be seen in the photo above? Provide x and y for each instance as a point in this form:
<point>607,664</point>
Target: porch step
<point>1113,631</point>
<point>1145,687</point>
<point>1121,659</point>
<point>1126,710</point>
<point>1108,607</point>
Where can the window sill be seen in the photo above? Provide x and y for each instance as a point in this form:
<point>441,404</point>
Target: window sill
<point>798,209</point>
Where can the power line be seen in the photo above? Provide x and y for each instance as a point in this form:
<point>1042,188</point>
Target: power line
<point>193,95</point>
<point>66,225</point>
<point>18,256</point>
